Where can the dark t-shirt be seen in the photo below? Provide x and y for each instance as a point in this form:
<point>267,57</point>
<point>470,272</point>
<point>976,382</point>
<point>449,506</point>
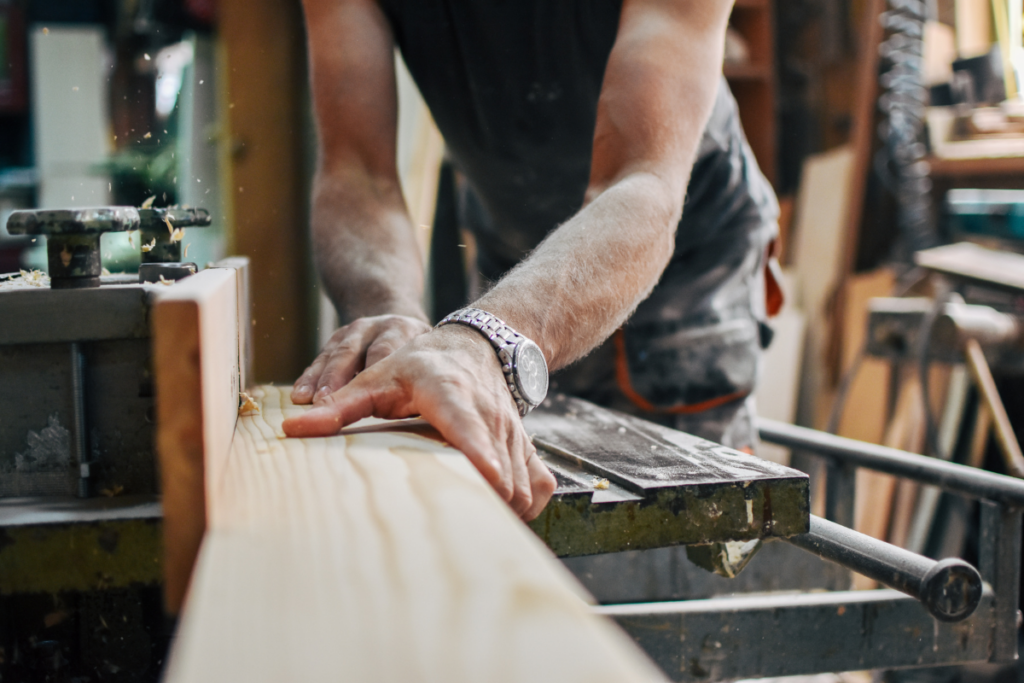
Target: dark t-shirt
<point>513,86</point>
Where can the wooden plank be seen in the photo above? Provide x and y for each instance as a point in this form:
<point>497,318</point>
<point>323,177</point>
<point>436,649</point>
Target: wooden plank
<point>196,372</point>
<point>240,264</point>
<point>265,72</point>
<point>378,557</point>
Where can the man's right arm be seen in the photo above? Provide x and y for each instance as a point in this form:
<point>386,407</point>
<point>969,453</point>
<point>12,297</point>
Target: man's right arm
<point>363,240</point>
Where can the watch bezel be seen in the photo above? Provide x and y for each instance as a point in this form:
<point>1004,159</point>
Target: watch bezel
<point>519,350</point>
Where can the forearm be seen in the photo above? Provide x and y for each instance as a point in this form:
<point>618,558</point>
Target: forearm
<point>586,278</point>
<point>365,248</point>
<point>583,281</point>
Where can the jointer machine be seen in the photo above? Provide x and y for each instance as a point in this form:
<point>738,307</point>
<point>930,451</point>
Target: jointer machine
<point>81,560</point>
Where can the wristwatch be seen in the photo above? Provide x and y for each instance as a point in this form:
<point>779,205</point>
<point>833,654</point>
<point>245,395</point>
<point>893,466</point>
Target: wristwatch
<point>522,361</point>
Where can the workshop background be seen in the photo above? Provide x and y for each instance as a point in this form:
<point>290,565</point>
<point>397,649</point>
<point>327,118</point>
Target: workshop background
<point>873,155</point>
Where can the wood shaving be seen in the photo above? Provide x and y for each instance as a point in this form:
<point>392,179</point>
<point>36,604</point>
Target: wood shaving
<point>170,227</point>
<point>104,271</point>
<point>131,242</point>
<point>149,247</point>
<point>65,256</point>
<point>602,484</point>
<point>35,278</point>
<point>148,204</point>
<point>247,405</point>
<point>165,282</point>
<point>185,254</point>
<point>177,234</point>
<point>113,491</point>
<point>147,136</point>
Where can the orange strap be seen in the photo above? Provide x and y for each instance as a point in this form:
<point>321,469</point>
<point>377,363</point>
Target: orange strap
<point>626,385</point>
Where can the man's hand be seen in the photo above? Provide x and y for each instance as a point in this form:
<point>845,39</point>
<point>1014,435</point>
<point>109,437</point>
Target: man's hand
<point>353,348</point>
<point>452,378</point>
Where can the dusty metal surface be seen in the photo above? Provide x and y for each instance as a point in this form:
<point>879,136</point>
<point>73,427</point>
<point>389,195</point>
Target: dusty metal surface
<point>50,545</point>
<point>40,315</point>
<point>791,634</point>
<point>36,402</point>
<point>628,484</point>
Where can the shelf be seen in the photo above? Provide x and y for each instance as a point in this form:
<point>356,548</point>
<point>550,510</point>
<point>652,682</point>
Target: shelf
<point>984,166</point>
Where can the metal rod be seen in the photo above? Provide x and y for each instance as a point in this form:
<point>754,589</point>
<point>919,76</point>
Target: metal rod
<point>78,437</point>
<point>1001,421</point>
<point>949,589</point>
<point>948,476</point>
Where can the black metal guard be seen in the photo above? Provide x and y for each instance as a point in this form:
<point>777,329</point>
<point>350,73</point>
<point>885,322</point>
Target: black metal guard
<point>949,589</point>
<point>1002,499</point>
<point>948,476</point>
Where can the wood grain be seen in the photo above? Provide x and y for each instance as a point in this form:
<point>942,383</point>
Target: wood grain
<point>196,372</point>
<point>378,557</point>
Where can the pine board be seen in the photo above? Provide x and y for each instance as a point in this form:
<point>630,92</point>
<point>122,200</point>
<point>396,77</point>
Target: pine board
<point>378,556</point>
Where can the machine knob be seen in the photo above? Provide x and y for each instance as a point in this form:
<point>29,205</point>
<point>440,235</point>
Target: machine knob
<point>73,239</point>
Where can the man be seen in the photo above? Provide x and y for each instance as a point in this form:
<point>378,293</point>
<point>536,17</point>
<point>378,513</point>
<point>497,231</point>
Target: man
<point>580,127</point>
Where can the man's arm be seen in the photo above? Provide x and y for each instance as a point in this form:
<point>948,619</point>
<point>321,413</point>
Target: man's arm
<point>659,88</point>
<point>582,282</point>
<point>363,241</point>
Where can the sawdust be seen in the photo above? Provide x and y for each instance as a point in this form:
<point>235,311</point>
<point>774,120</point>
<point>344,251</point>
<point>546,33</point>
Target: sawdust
<point>170,226</point>
<point>35,278</point>
<point>602,484</point>
<point>65,256</point>
<point>247,405</point>
<point>164,281</point>
<point>148,204</point>
<point>149,247</point>
<point>131,242</point>
<point>113,491</point>
<point>177,234</point>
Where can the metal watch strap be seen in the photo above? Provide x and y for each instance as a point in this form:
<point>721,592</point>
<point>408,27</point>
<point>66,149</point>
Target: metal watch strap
<point>502,337</point>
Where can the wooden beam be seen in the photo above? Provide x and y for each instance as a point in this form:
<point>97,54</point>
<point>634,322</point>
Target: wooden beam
<point>196,371</point>
<point>378,556</point>
<point>264,43</point>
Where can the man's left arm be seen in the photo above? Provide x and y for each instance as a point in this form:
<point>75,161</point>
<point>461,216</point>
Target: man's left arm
<point>585,279</point>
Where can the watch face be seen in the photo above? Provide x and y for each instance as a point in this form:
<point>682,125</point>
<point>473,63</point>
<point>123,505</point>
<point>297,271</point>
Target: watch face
<point>531,372</point>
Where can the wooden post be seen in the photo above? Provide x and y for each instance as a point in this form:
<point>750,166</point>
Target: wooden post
<point>264,43</point>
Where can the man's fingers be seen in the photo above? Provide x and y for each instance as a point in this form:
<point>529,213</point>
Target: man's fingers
<point>346,360</point>
<point>305,385</point>
<point>519,450</point>
<point>464,430</point>
<point>334,412</point>
<point>542,486</point>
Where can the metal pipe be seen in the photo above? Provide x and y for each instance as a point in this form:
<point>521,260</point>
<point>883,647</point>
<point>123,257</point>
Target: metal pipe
<point>78,437</point>
<point>948,476</point>
<point>949,589</point>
